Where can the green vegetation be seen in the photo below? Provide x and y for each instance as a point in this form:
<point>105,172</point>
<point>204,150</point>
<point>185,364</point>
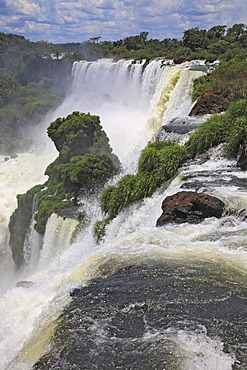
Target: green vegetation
<point>31,83</point>
<point>88,171</point>
<point>208,134</point>
<point>229,128</point>
<point>229,78</point>
<point>216,43</point>
<point>34,76</point>
<point>84,164</point>
<point>158,163</point>
<point>21,109</point>
<point>236,132</point>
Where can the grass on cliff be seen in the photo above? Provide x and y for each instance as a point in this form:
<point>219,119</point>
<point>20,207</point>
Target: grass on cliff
<point>229,128</point>
<point>158,163</point>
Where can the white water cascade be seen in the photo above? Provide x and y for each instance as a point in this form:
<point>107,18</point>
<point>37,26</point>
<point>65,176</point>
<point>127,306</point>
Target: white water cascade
<point>132,105</point>
<point>17,176</point>
<point>127,98</point>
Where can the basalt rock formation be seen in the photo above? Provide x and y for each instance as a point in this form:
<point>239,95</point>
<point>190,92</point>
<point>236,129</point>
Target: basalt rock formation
<point>210,102</point>
<point>189,206</point>
<point>84,164</point>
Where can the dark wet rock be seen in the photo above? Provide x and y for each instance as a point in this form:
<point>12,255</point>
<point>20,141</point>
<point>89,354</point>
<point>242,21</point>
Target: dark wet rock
<point>69,212</point>
<point>242,161</point>
<point>199,67</point>
<point>19,225</point>
<point>189,206</point>
<point>180,60</point>
<point>24,284</point>
<point>179,126</point>
<point>210,102</point>
<point>174,129</point>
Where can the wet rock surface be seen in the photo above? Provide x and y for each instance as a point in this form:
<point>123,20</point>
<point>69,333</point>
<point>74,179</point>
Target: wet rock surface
<point>242,160</point>
<point>189,206</point>
<point>209,102</point>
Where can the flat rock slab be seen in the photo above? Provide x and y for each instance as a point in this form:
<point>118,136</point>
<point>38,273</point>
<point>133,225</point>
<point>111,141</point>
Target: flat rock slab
<point>189,206</point>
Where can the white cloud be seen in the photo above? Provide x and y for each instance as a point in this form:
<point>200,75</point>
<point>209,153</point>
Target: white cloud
<point>23,7</point>
<point>77,20</point>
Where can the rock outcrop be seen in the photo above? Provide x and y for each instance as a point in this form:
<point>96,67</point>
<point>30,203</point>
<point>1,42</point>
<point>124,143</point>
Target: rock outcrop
<point>189,206</point>
<point>210,102</point>
<point>85,163</point>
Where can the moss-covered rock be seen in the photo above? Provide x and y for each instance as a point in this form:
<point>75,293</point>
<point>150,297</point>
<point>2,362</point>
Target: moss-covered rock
<point>84,164</point>
<point>79,134</point>
<point>20,222</point>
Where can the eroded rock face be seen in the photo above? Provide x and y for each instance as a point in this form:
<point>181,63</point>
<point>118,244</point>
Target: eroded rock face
<point>210,102</point>
<point>189,206</point>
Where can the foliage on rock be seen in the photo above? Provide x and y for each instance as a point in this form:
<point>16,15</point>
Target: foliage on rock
<point>229,128</point>
<point>158,163</point>
<point>208,134</point>
<point>236,133</point>
<point>229,78</point>
<point>78,134</point>
<point>84,164</point>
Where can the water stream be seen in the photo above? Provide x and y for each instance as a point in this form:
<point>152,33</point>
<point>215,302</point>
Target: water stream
<point>145,298</point>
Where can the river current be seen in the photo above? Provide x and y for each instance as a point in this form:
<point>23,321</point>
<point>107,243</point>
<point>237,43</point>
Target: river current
<point>144,298</point>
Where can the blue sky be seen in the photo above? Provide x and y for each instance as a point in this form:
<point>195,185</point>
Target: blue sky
<point>60,21</point>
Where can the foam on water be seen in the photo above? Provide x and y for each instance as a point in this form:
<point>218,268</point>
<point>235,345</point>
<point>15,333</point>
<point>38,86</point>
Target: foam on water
<point>132,237</point>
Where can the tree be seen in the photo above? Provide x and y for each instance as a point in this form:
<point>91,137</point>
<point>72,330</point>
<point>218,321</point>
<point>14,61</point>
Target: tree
<point>195,39</point>
<point>218,47</point>
<point>216,32</point>
<point>95,39</point>
<point>237,33</point>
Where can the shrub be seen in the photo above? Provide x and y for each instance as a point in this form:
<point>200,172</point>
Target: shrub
<point>236,137</point>
<point>158,162</point>
<point>88,171</point>
<point>99,229</point>
<point>162,159</point>
<point>209,134</point>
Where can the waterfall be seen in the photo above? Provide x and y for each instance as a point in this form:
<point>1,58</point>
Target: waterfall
<point>128,97</point>
<point>57,238</point>
<point>146,297</point>
<point>17,176</point>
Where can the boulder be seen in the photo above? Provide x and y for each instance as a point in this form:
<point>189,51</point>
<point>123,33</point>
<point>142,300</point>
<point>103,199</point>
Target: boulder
<point>210,102</point>
<point>189,206</point>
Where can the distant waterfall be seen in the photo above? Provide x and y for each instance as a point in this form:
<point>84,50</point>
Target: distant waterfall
<point>130,97</point>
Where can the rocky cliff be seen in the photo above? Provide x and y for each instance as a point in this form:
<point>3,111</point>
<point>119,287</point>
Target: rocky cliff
<point>84,164</point>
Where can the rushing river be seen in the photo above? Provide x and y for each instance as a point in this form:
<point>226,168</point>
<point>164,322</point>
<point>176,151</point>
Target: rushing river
<point>145,298</point>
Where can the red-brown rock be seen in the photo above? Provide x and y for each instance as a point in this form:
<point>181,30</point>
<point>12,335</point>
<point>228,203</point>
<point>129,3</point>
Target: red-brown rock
<point>189,206</point>
<point>210,102</point>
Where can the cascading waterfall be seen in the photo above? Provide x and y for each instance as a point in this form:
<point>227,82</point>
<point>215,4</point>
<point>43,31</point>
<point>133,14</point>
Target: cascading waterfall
<point>58,237</point>
<point>146,297</point>
<point>127,97</point>
<point>17,176</point>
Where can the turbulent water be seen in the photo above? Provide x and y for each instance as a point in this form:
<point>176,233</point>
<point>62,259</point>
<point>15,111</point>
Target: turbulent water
<point>145,298</point>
